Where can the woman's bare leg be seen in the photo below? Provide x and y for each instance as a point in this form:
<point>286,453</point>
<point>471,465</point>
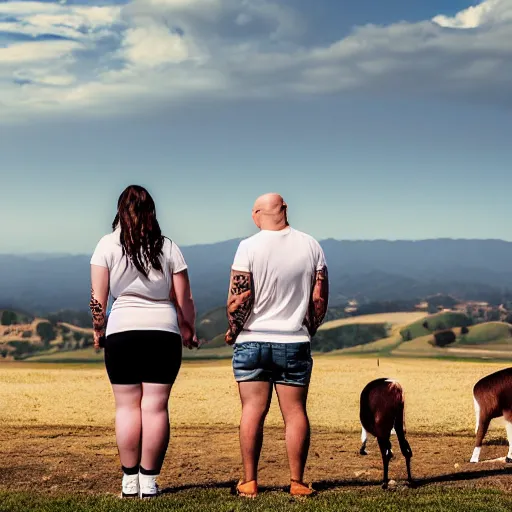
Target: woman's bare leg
<point>128,422</point>
<point>155,425</point>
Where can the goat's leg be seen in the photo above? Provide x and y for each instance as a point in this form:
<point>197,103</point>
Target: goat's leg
<point>483,425</point>
<point>385,448</point>
<point>364,439</point>
<point>405,448</point>
<point>508,426</point>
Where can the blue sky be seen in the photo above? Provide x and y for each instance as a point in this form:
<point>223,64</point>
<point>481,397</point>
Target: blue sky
<point>373,119</point>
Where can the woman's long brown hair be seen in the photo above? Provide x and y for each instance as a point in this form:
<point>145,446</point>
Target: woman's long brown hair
<point>141,237</point>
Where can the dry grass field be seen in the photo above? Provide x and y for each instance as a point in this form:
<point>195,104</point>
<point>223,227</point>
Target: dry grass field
<point>438,392</point>
<point>56,422</point>
<point>400,318</point>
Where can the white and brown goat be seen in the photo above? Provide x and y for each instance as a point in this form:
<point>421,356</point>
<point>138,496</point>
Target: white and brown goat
<point>492,397</point>
<point>382,411</point>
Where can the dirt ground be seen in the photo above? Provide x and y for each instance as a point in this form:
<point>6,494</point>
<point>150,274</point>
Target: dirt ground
<point>56,460</point>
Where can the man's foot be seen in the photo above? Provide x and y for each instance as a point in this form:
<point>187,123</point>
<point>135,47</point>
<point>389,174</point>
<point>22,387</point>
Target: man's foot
<point>130,486</point>
<point>247,489</point>
<point>148,486</point>
<point>298,488</point>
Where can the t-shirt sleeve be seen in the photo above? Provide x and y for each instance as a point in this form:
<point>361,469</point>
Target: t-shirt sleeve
<point>241,261</point>
<point>320,258</point>
<point>178,263</point>
<point>100,255</point>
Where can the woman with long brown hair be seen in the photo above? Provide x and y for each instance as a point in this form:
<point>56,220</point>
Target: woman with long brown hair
<point>152,315</point>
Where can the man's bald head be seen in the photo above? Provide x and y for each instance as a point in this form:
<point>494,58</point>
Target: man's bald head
<point>270,212</point>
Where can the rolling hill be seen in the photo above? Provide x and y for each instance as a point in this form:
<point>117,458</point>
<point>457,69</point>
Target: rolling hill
<point>18,341</point>
<point>489,340</point>
<point>436,322</point>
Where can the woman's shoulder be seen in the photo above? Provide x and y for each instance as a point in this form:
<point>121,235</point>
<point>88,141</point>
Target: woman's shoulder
<point>111,238</point>
<point>168,247</point>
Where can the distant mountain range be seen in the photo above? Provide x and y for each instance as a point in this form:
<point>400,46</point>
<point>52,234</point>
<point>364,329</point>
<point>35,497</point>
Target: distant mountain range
<point>366,270</point>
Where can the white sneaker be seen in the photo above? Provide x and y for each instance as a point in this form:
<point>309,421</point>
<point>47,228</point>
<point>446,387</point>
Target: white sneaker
<point>148,486</point>
<point>130,486</point>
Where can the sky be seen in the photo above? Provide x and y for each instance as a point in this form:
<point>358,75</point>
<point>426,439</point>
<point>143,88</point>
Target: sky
<point>374,120</point>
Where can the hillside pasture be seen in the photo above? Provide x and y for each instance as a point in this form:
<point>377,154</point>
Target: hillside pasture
<point>19,341</point>
<point>496,333</point>
<point>398,318</point>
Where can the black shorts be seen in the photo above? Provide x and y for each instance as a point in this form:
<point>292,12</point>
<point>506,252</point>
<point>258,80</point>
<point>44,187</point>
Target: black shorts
<point>133,357</point>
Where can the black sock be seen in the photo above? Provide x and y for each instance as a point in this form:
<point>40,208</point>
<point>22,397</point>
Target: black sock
<point>149,472</point>
<point>131,471</point>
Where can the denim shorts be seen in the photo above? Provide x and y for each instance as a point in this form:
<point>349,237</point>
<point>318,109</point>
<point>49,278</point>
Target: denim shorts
<point>279,363</point>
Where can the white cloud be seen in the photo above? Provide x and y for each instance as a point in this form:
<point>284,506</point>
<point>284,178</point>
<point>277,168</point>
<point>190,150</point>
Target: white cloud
<point>31,52</point>
<point>475,16</point>
<point>152,45</point>
<point>105,59</point>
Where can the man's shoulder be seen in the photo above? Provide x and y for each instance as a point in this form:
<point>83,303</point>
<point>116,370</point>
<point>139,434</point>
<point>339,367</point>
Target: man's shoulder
<point>306,237</point>
<point>251,240</point>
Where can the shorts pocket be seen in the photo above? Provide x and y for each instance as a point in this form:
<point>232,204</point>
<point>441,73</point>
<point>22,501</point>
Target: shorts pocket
<point>299,362</point>
<point>247,356</point>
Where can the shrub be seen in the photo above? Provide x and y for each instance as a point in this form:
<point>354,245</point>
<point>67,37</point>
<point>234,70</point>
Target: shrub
<point>406,335</point>
<point>425,325</point>
<point>46,332</point>
<point>26,334</point>
<point>444,338</point>
<point>464,330</point>
<point>88,340</point>
<point>77,335</point>
<point>21,348</point>
<point>9,318</point>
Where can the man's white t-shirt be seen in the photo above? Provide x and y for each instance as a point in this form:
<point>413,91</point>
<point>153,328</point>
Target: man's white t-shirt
<point>139,303</point>
<point>283,265</point>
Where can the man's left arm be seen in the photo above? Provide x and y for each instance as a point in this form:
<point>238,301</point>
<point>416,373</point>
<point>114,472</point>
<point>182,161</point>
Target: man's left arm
<point>319,301</point>
<point>240,303</point>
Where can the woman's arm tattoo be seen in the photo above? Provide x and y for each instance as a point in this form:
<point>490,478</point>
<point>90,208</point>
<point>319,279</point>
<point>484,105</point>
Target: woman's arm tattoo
<point>97,312</point>
<point>240,301</point>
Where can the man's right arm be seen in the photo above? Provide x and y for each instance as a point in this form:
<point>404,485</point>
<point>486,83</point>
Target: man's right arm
<point>319,301</point>
<point>239,304</point>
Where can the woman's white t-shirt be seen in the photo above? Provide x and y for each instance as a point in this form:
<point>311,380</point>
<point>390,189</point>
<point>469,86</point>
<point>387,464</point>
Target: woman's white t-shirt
<point>139,303</point>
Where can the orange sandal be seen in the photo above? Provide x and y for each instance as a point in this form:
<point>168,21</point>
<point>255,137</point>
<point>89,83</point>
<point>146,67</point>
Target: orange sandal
<point>247,489</point>
<point>298,488</point>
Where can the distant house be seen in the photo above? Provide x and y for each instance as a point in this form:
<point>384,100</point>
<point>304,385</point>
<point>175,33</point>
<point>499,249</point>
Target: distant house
<point>479,310</point>
<point>422,306</point>
<point>352,307</point>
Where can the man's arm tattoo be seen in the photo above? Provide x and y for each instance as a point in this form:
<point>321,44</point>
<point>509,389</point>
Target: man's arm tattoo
<point>319,301</point>
<point>97,312</point>
<point>240,301</point>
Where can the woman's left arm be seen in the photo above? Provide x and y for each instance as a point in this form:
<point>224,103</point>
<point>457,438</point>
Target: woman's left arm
<point>99,299</point>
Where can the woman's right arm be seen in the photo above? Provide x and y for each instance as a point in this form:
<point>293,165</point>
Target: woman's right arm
<point>181,295</point>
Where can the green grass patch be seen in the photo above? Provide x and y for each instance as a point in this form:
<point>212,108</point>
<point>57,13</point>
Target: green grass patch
<point>437,322</point>
<point>490,332</point>
<point>349,335</point>
<point>208,500</point>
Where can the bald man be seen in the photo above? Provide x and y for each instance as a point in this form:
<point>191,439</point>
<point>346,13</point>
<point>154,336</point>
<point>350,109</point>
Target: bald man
<point>277,299</point>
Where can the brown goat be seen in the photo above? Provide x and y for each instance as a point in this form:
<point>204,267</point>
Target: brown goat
<point>492,397</point>
<point>381,411</point>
